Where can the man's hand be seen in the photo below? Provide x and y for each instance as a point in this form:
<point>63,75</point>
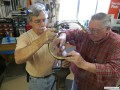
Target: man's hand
<point>65,64</point>
<point>60,41</point>
<point>49,34</point>
<point>75,58</point>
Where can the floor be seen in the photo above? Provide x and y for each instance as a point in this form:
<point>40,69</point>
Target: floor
<point>15,77</point>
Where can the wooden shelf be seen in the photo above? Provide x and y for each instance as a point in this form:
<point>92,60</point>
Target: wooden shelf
<point>7,47</point>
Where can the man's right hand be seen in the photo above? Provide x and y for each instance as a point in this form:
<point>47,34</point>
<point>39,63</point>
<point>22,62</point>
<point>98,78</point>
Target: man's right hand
<point>49,35</point>
<point>62,39</point>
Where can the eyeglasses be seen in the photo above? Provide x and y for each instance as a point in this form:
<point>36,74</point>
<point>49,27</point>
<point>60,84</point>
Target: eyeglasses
<point>94,31</point>
<point>39,21</point>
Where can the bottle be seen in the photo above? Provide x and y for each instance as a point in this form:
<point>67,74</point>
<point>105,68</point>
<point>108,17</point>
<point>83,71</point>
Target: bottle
<point>8,36</point>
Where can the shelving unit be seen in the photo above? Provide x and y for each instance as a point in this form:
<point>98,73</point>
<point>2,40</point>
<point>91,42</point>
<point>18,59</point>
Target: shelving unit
<point>6,25</point>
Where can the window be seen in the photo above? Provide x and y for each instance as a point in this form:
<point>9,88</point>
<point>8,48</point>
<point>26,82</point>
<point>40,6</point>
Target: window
<point>68,9</point>
<point>86,9</point>
<point>81,9</point>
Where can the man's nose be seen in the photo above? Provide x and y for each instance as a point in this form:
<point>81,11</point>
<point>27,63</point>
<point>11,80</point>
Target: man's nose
<point>42,23</point>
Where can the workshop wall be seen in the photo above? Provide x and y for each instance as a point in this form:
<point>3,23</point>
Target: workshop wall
<point>16,10</point>
<point>9,6</point>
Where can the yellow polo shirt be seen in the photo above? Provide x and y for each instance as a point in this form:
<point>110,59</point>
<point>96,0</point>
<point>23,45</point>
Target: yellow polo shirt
<point>41,63</point>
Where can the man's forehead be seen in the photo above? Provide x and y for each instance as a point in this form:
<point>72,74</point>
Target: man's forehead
<point>40,17</point>
<point>95,23</point>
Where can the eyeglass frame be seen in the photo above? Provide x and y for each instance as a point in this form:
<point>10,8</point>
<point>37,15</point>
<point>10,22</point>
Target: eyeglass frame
<point>38,21</point>
<point>94,31</point>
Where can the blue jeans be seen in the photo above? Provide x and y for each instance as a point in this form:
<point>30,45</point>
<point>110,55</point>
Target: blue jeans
<point>42,83</point>
<point>74,86</point>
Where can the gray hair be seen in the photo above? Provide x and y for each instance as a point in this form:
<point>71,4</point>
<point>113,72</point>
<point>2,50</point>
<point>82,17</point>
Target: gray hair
<point>105,18</point>
<point>35,9</point>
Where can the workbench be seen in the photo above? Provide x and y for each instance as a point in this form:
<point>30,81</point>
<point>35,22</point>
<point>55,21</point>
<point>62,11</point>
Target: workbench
<point>7,50</point>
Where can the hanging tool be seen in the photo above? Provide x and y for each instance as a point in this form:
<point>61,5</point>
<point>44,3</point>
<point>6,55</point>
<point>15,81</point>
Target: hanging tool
<point>7,6</point>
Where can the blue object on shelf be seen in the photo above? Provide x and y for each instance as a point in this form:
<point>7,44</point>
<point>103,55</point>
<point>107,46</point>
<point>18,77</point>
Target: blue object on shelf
<point>9,40</point>
<point>8,36</point>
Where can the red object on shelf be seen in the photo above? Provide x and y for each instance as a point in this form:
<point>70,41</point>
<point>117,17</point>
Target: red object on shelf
<point>28,27</point>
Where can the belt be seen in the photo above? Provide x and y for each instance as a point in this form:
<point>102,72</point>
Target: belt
<point>41,77</point>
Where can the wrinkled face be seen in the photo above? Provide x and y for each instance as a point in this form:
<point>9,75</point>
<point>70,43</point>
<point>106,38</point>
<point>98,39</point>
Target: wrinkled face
<point>38,23</point>
<point>96,31</point>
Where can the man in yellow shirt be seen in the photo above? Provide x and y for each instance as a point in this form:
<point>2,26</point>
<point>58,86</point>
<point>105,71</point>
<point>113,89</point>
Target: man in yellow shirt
<point>32,49</point>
